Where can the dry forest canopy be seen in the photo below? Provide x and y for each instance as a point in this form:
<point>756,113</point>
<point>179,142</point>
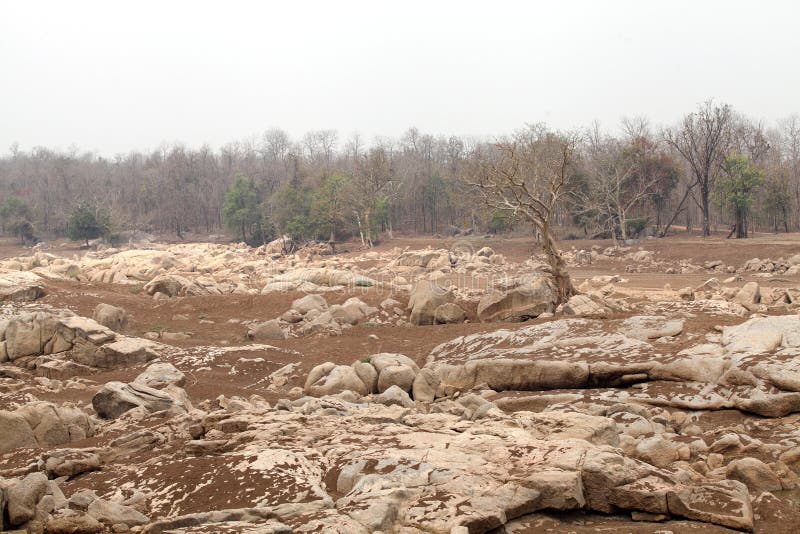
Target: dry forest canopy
<point>713,170</point>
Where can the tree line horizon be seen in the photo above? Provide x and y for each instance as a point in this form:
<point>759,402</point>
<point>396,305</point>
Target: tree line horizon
<point>714,169</point>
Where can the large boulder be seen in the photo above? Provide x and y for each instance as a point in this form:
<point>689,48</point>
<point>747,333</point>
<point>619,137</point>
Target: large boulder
<point>161,374</point>
<point>449,313</point>
<point>386,359</point>
<point>585,306</point>
<point>124,352</point>
<point>324,323</point>
<point>367,374</point>
<point>111,513</point>
<point>425,385</point>
<point>23,496</point>
<point>527,300</point>
<point>394,396</point>
<point>425,299</point>
<point>55,425</point>
<point>329,379</point>
<point>116,398</point>
<point>423,258</point>
<point>725,503</point>
<point>16,432</point>
<point>167,284</point>
<point>353,311</point>
<point>644,327</point>
<point>398,375</point>
<point>29,334</point>
<point>20,286</point>
<point>111,317</point>
<point>267,331</point>
<point>754,474</point>
<point>70,462</point>
<point>84,337</point>
<point>73,524</point>
<point>310,302</point>
<point>749,296</point>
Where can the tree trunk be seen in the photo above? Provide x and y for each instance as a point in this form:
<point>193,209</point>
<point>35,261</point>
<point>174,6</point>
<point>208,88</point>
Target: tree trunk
<point>360,229</point>
<point>677,212</point>
<point>741,225</point>
<point>367,227</point>
<point>564,287</point>
<point>623,231</point>
<point>706,214</point>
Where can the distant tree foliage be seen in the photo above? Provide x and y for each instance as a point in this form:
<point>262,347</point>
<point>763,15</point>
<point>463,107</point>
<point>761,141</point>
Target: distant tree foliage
<point>88,221</point>
<point>736,189</point>
<point>243,213</point>
<point>15,216</point>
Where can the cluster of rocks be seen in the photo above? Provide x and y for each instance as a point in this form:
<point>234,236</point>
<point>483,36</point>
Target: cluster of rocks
<point>43,424</point>
<point>790,266</point>
<point>393,378</point>
<point>765,267</point>
<point>312,314</point>
<point>63,345</point>
<point>750,297</point>
<point>606,417</point>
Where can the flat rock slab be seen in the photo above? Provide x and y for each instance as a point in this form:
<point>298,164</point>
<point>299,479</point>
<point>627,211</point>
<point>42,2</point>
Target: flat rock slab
<point>20,286</point>
<point>373,467</point>
<point>754,367</point>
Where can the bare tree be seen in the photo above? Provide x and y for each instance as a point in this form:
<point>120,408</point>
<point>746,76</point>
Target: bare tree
<point>526,176</point>
<point>370,181</point>
<point>615,187</point>
<point>703,139</point>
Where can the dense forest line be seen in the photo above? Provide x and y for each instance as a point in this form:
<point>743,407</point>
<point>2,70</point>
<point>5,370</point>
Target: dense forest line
<point>714,169</point>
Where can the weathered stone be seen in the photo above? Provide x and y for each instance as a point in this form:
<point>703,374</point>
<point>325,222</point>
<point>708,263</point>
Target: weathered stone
<point>111,513</point>
<point>16,432</point>
<point>158,375</point>
<point>329,379</point>
<point>651,327</point>
<point>20,286</point>
<point>267,331</point>
<point>400,375</point>
<point>426,383</point>
<point>111,317</point>
<point>749,296</point>
<point>73,524</point>
<point>725,503</point>
<point>754,474</point>
<point>29,334</point>
<point>528,300</point>
<point>310,302</point>
<point>70,462</point>
<point>657,451</point>
<point>394,396</point>
<point>169,285</point>
<point>584,306</point>
<point>367,374</point>
<point>23,496</point>
<point>125,352</point>
<point>449,313</point>
<point>116,398</point>
<point>425,299</point>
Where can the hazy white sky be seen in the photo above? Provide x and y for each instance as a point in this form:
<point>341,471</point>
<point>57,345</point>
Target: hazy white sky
<point>113,76</point>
